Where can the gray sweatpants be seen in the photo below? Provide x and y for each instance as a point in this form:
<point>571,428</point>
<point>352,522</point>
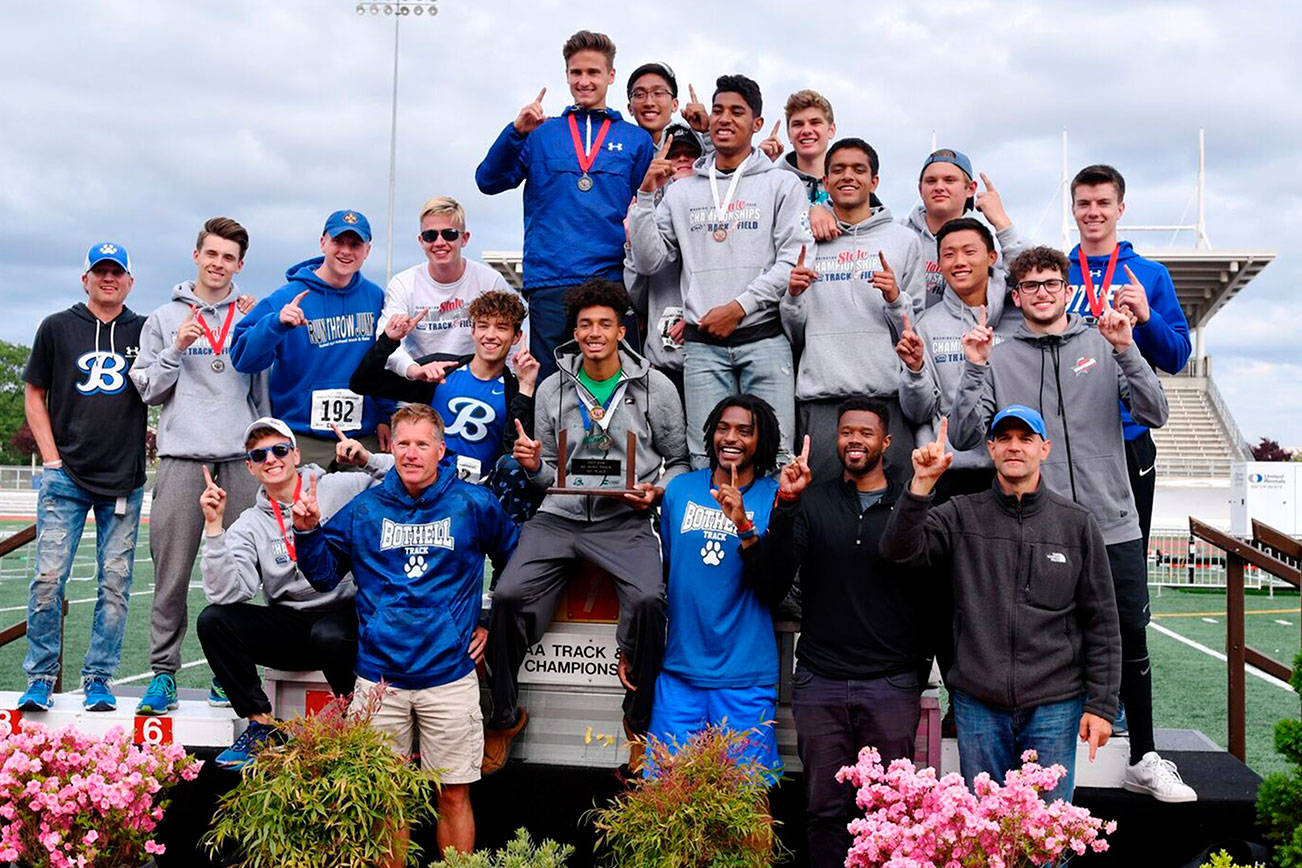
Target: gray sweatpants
<point>527,592</point>
<point>818,420</point>
<point>175,528</point>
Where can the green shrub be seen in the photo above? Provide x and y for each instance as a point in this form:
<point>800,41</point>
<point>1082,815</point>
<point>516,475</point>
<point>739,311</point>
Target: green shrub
<point>335,795</point>
<point>1223,860</point>
<point>704,807</point>
<point>1279,801</point>
<point>520,853</point>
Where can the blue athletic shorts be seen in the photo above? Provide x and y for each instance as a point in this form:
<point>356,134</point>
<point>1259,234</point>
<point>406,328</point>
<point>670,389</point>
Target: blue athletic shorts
<point>682,709</point>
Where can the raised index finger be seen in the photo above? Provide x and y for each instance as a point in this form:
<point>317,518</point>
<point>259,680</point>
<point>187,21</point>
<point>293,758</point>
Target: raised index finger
<point>907,326</point>
<point>982,321</point>
<point>691,90</point>
<point>1131,275</point>
<point>520,429</point>
<point>777,125</point>
<point>804,452</point>
<point>734,474</point>
<point>542,93</point>
<point>942,432</point>
<point>986,181</point>
<point>664,149</point>
<point>801,260</point>
<point>207,477</point>
<point>338,433</point>
<point>299,298</point>
<point>882,256</point>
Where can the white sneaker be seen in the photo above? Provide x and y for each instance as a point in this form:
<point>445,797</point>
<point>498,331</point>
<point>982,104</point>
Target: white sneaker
<point>1158,778</point>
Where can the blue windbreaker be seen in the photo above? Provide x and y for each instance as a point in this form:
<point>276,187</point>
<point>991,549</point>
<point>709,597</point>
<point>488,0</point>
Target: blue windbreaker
<point>419,568</point>
<point>320,355</point>
<point>720,632</point>
<point>570,235</point>
<point>1163,341</point>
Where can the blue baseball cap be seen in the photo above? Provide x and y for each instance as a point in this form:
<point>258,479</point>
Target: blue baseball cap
<point>1031,418</point>
<point>107,250</point>
<point>347,221</point>
<point>958,158</point>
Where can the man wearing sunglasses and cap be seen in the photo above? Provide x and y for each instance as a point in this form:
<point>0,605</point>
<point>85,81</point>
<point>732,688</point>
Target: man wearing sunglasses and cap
<point>1037,662</point>
<point>299,628</point>
<point>444,285</point>
<point>312,333</point>
<point>89,425</point>
<point>948,190</point>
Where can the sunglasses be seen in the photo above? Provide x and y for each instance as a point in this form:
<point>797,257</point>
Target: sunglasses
<point>429,236</point>
<point>259,455</point>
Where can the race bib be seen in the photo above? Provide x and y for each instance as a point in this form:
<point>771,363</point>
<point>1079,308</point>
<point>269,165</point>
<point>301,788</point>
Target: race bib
<point>336,407</point>
<point>469,469</point>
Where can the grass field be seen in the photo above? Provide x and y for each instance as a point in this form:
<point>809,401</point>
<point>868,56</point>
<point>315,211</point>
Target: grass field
<point>1189,683</point>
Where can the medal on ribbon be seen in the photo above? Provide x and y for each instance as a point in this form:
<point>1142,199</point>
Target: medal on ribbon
<point>217,342</point>
<point>1099,301</point>
<point>587,159</point>
<point>720,233</point>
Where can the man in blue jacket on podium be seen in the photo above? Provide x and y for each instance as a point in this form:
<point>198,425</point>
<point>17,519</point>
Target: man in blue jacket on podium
<point>580,172</point>
<point>415,545</point>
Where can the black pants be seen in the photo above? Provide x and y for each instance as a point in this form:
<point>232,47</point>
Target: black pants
<point>1141,465</point>
<point>834,719</point>
<point>526,595</point>
<point>1130,582</point>
<point>238,638</point>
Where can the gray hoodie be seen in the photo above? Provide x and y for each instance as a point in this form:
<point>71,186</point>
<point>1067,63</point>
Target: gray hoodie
<point>1077,382</point>
<point>649,407</point>
<point>205,411</point>
<point>767,222</point>
<point>927,395</point>
<point>846,328</point>
<point>658,299</point>
<point>1008,243</point>
<point>251,555</point>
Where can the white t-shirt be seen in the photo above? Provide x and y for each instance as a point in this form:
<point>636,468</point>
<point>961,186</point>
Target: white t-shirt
<point>446,329</point>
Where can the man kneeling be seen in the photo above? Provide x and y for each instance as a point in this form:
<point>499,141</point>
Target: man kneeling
<point>299,628</point>
<point>415,545</point>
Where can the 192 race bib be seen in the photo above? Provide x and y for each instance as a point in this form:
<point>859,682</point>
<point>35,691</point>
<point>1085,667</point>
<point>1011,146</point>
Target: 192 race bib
<point>340,407</point>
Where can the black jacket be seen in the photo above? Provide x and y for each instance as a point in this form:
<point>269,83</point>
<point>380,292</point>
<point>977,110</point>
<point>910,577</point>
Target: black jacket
<point>861,615</point>
<point>1035,618</point>
<point>371,378</point>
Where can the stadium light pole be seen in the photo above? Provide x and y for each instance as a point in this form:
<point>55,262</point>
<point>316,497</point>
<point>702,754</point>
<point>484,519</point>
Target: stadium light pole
<point>399,9</point>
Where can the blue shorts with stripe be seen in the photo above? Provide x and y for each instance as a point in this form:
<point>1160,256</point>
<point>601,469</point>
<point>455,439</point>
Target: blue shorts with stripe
<point>682,709</point>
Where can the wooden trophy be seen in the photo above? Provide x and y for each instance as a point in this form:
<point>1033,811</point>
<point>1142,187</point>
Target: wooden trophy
<point>593,467</point>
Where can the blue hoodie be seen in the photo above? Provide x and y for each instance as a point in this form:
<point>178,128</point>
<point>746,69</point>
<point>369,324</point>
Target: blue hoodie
<point>419,568</point>
<point>321,355</point>
<point>1163,341</point>
<point>570,235</point>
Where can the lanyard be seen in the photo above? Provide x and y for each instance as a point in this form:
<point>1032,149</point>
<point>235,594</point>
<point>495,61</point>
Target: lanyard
<point>591,411</point>
<point>280,520</point>
<point>587,159</point>
<point>721,205</point>
<point>1097,302</point>
<point>216,342</point>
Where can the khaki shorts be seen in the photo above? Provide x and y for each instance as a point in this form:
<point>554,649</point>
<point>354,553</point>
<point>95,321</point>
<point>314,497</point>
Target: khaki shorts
<point>449,722</point>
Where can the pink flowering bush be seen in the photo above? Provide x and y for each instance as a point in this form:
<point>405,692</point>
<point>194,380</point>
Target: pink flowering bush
<point>913,820</point>
<point>69,800</point>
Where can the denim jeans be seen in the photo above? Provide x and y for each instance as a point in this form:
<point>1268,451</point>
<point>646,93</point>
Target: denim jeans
<point>990,740</point>
<point>834,720</point>
<point>61,511</point>
<point>762,369</point>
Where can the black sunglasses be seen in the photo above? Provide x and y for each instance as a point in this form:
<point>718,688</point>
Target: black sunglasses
<point>259,455</point>
<point>429,236</point>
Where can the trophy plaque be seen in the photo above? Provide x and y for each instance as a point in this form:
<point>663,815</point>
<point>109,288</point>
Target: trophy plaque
<point>568,470</point>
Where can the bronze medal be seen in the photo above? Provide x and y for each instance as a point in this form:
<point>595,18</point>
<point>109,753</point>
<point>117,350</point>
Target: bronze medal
<point>721,234</point>
<point>598,412</point>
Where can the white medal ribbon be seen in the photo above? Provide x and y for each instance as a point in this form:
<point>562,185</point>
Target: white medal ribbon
<point>721,205</point>
<point>590,402</point>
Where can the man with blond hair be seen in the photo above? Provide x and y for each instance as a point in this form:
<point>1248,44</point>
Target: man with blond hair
<point>445,285</point>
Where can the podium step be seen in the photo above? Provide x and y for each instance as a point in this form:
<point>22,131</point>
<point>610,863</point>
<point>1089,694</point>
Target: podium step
<point>194,724</point>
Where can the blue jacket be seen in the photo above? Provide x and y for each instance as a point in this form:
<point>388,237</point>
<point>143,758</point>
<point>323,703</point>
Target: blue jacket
<point>570,235</point>
<point>419,568</point>
<point>321,355</point>
<point>720,632</point>
<point>1163,341</point>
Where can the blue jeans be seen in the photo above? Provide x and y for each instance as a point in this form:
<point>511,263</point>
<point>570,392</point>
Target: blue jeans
<point>762,369</point>
<point>61,511</point>
<point>990,740</point>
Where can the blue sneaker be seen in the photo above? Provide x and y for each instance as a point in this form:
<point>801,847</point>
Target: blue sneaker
<point>217,697</point>
<point>38,697</point>
<point>160,697</point>
<point>256,737</point>
<point>98,696</point>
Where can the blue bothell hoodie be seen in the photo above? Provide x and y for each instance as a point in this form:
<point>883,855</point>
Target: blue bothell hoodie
<point>320,355</point>
<point>1163,341</point>
<point>419,568</point>
<point>570,235</point>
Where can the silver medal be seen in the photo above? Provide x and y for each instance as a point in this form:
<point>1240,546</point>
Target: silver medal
<point>585,182</point>
<point>218,365</point>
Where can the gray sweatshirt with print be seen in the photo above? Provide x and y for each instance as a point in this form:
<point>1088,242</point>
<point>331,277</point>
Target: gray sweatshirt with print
<point>843,324</point>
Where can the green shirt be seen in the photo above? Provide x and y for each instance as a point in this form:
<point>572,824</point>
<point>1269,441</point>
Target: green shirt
<point>601,389</point>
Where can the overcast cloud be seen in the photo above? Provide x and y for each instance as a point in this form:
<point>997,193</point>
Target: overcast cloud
<point>136,121</point>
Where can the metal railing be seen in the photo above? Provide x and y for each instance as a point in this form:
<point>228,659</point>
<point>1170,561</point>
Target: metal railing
<point>1235,436</point>
<point>1265,553</point>
<point>1184,560</point>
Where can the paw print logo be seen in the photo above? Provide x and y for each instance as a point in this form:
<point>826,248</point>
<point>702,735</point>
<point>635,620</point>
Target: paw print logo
<point>415,566</point>
<point>108,249</point>
<point>712,553</point>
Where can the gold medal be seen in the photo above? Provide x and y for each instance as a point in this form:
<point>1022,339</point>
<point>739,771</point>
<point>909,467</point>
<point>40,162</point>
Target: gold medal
<point>597,413</point>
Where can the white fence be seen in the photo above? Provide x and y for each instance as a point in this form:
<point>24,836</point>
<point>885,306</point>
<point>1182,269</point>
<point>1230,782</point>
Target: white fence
<point>1178,559</point>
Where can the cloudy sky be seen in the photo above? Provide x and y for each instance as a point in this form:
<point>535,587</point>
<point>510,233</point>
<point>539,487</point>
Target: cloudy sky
<point>136,121</point>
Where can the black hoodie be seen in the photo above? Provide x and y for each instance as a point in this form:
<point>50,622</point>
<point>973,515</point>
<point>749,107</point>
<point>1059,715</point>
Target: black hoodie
<point>96,413</point>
